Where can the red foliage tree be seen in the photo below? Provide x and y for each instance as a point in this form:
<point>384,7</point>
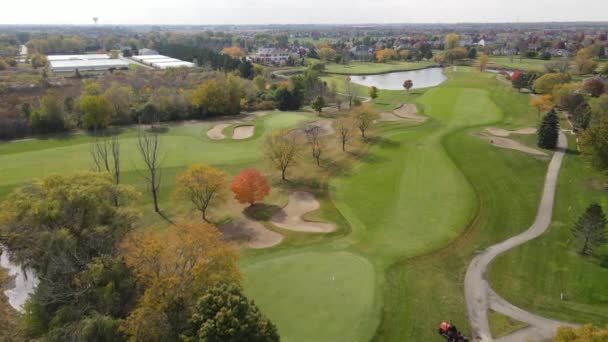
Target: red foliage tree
<point>249,186</point>
<point>595,87</point>
<point>408,84</point>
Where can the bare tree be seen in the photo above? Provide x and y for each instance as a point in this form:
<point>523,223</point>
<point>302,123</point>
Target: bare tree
<point>313,135</point>
<point>106,156</point>
<point>149,148</point>
<point>345,128</point>
<point>351,92</point>
<point>282,149</point>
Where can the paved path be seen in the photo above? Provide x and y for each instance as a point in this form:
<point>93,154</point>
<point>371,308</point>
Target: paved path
<point>479,295</point>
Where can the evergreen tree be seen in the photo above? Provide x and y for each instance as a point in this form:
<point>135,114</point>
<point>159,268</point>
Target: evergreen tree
<point>549,131</point>
<point>590,229</point>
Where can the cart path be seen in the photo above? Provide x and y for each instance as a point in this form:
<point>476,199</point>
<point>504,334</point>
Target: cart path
<point>480,297</point>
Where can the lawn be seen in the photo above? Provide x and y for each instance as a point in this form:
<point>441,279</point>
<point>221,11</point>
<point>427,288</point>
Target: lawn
<point>525,64</point>
<point>535,275</point>
<point>362,68</point>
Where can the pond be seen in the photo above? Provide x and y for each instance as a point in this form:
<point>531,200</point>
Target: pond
<point>21,283</point>
<point>423,78</point>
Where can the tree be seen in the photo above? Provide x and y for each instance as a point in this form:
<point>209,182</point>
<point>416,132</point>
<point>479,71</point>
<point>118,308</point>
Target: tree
<point>604,70</point>
<point>326,53</point>
<point>408,84</point>
<point>594,87</point>
<point>590,229</point>
<point>385,55</point>
<point>594,142</point>
<point>148,146</point>
<point>66,228</point>
<point>345,129</point>
<point>586,333</point>
<point>318,104</point>
<point>250,186</point>
<point>202,185</point>
<point>373,93</point>
<point>49,117</point>
<point>313,136</point>
<point>97,111</point>
<point>174,267</point>
<point>546,83</point>
<point>234,52</point>
<point>225,314</point>
<point>548,132</point>
<point>472,54</point>
<point>364,117</point>
<point>451,41</point>
<point>281,149</point>
<point>219,96</point>
<point>404,54</point>
<point>583,63</point>
<point>351,91</point>
<point>106,157</point>
<point>38,61</point>
<point>260,83</point>
<point>121,98</point>
<point>3,65</point>
<point>482,62</point>
<point>542,103</point>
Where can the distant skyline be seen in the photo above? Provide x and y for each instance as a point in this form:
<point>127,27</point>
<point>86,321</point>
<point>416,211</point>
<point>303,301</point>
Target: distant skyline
<point>243,12</point>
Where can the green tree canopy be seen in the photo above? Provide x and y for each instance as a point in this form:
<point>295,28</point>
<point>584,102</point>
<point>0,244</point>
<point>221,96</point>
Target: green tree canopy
<point>225,314</point>
<point>590,229</point>
<point>548,131</point>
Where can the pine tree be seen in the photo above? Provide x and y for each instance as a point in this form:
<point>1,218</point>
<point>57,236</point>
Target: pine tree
<point>548,131</point>
<point>590,229</point>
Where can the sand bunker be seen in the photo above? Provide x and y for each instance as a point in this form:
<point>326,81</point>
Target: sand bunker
<point>510,144</point>
<point>406,112</point>
<point>499,132</point>
<point>216,133</point>
<point>243,132</point>
<point>290,217</point>
<point>324,125</point>
<point>250,232</point>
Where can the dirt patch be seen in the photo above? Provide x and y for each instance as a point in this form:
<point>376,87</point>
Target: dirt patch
<point>216,133</point>
<point>405,112</point>
<point>243,132</point>
<point>510,144</point>
<point>290,217</point>
<point>325,128</point>
<point>500,132</point>
<point>251,233</point>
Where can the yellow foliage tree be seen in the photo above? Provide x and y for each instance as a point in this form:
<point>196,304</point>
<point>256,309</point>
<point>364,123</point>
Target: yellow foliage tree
<point>482,62</point>
<point>203,185</point>
<point>542,103</point>
<point>233,51</point>
<point>451,41</point>
<point>364,117</point>
<point>385,55</point>
<point>282,149</point>
<point>174,267</point>
<point>326,53</point>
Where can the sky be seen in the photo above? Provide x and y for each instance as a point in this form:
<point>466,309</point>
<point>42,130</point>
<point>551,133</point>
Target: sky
<point>242,12</point>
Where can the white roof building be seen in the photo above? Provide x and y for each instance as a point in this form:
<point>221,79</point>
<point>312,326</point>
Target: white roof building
<point>88,65</point>
<point>76,57</point>
<point>162,62</point>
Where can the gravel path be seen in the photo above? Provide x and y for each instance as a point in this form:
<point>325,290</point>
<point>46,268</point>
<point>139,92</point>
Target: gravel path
<point>479,295</point>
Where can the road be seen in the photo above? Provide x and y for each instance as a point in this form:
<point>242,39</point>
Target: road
<point>480,297</point>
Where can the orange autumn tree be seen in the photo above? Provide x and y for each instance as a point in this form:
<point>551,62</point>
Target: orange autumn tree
<point>174,267</point>
<point>233,51</point>
<point>203,185</point>
<point>249,186</point>
<point>542,103</point>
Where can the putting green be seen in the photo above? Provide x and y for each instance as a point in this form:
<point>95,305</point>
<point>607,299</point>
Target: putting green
<point>316,296</point>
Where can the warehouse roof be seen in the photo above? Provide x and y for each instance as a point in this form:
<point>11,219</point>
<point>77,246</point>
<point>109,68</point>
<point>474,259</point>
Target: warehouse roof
<point>76,57</point>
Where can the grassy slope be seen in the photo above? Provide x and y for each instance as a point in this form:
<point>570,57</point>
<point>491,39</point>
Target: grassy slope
<point>535,274</point>
<point>361,68</point>
<point>526,64</point>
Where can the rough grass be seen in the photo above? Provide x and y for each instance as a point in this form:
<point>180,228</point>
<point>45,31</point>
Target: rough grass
<point>501,325</point>
<point>535,275</point>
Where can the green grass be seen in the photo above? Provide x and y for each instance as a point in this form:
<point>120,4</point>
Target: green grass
<point>362,68</point>
<point>525,64</point>
<point>501,325</point>
<point>535,275</point>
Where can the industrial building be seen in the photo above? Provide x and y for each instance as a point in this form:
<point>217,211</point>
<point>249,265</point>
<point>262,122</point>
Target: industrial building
<point>81,63</point>
<point>162,62</point>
